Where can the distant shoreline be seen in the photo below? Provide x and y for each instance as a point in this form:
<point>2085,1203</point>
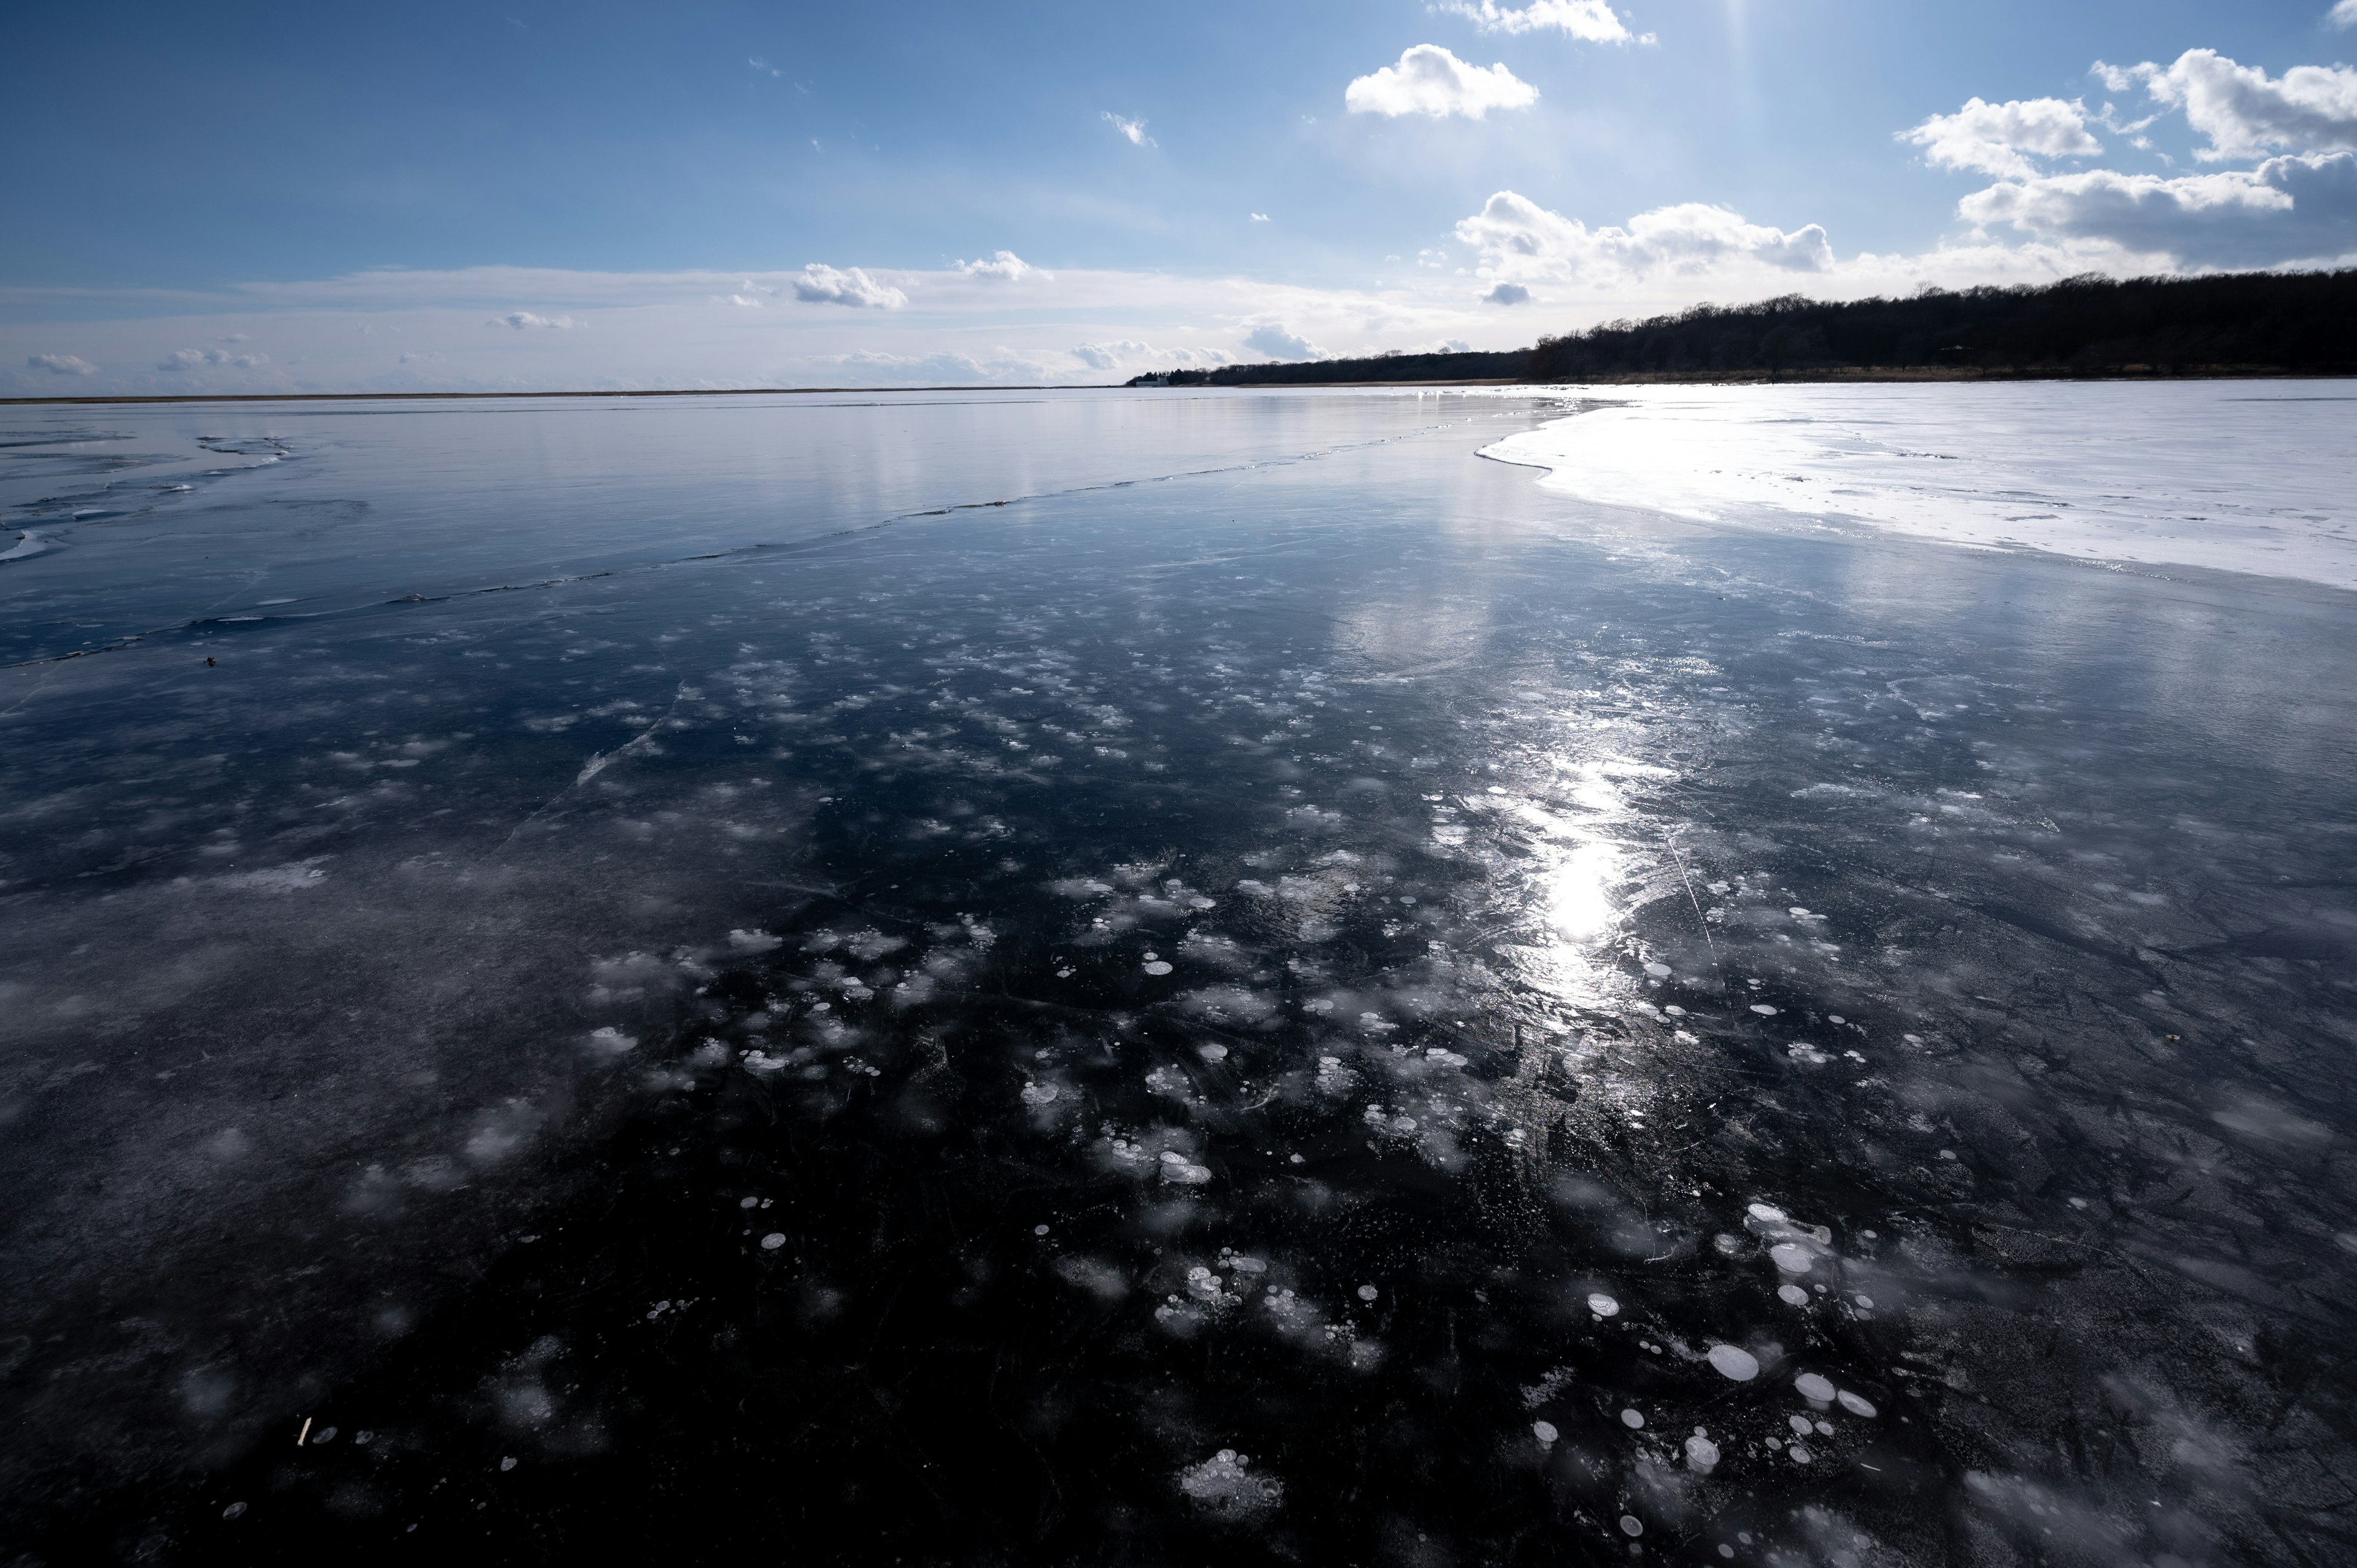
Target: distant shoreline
<point>1640,378</point>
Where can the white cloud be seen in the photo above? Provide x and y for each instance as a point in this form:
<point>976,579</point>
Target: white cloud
<point>1134,129</point>
<point>524,320</point>
<point>60,364</point>
<point>2245,112</point>
<point>1507,293</point>
<point>2300,208</point>
<point>765,67</point>
<point>1993,138</point>
<point>198,358</point>
<point>1262,217</point>
<point>2344,15</point>
<point>1004,268</point>
<point>1275,342</point>
<point>1130,351</point>
<point>1589,19</point>
<point>1520,241</point>
<point>869,367</point>
<point>820,284</point>
<point>1428,80</point>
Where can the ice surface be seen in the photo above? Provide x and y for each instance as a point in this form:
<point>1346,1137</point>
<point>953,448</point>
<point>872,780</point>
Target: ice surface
<point>1586,929</point>
<point>2232,475</point>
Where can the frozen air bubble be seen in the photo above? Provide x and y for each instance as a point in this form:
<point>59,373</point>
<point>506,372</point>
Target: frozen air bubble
<point>1658,970</point>
<point>1856,1405</point>
<point>1038,1229</point>
<point>1601,1305</point>
<point>1731,1362</point>
<point>233,1510</point>
<point>773,1240</point>
<point>1040,1093</point>
<point>1763,1009</point>
<point>1545,1431</point>
<point>1799,1454</point>
<point>1368,1293</point>
<point>1836,1018</point>
<point>1767,1214</point>
<point>748,1203</point>
<point>1792,1295</point>
<point>1702,1454</point>
<point>1816,1389</point>
<point>1213,1053</point>
<point>1865,1301</point>
<point>1800,1425</point>
<point>1157,966</point>
<point>1631,1525</point>
<point>507,1464</point>
<point>1633,1420</point>
<point>1791,1257</point>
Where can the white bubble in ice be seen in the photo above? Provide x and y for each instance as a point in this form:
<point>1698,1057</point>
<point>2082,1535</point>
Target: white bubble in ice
<point>325,1434</point>
<point>1865,1301</point>
<point>1038,1229</point>
<point>1213,1053</point>
<point>1856,1405</point>
<point>749,1202</point>
<point>1157,966</point>
<point>1800,1455</point>
<point>1763,1009</point>
<point>1731,1362</point>
<point>1545,1431</point>
<point>773,1240</point>
<point>1035,1094</point>
<point>1766,1213</point>
<point>1658,970</point>
<point>1632,1420</point>
<point>1702,1455</point>
<point>1368,1293</point>
<point>1792,1295</point>
<point>233,1510</point>
<point>1601,1305</point>
<point>1836,1018</point>
<point>1631,1525</point>
<point>507,1464</point>
<point>1791,1257</point>
<point>1800,1425</point>
<point>1815,1388</point>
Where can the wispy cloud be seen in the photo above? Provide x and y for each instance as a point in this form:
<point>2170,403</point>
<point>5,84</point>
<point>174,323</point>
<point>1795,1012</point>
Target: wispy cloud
<point>524,321</point>
<point>1124,353</point>
<point>1430,80</point>
<point>60,364</point>
<point>2344,15</point>
<point>1592,20</point>
<point>820,284</point>
<point>181,359</point>
<point>764,67</point>
<point>1260,217</point>
<point>2000,138</point>
<point>1132,129</point>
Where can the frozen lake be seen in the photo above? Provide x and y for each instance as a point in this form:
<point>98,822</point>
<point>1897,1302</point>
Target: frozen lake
<point>1142,977</point>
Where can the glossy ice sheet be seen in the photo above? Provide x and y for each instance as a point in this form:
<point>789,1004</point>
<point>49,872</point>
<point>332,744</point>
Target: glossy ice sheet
<point>1343,1008</point>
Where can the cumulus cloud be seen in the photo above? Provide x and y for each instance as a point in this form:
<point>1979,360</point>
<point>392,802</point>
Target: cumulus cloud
<point>2000,138</point>
<point>1520,241</point>
<point>1004,268</point>
<point>1276,342</point>
<point>1589,19</point>
<point>1132,129</point>
<point>1428,80</point>
<point>524,321</point>
<point>2344,15</point>
<point>1507,293</point>
<point>2245,112</point>
<point>1130,351</point>
<point>198,359</point>
<point>820,284</point>
<point>2292,208</point>
<point>60,364</point>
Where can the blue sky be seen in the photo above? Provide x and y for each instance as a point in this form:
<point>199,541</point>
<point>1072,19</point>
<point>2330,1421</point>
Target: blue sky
<point>279,198</point>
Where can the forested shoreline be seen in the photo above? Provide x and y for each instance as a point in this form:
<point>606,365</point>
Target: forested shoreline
<point>2245,323</point>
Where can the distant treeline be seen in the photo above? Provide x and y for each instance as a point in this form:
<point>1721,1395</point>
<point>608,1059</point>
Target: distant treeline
<point>2262,322</point>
